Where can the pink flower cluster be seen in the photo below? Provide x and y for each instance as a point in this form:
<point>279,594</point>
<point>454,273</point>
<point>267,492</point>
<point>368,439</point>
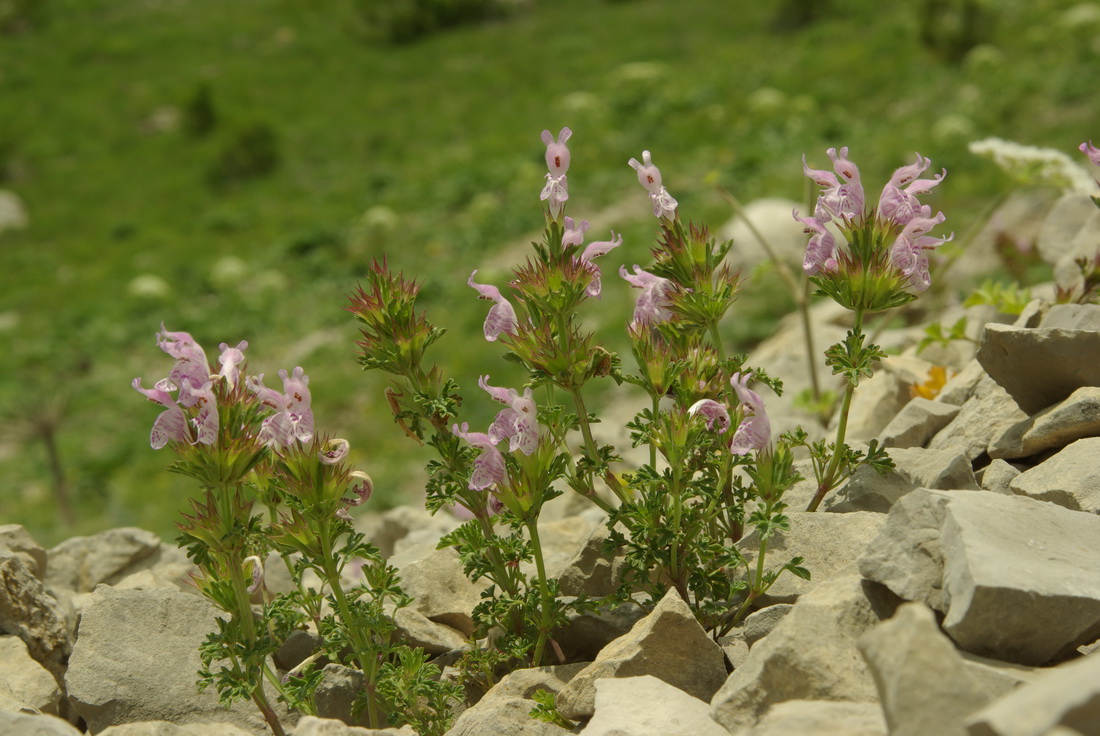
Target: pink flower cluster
<point>754,432</point>
<point>841,203</point>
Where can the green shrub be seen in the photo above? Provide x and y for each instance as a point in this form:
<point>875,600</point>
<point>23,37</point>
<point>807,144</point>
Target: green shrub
<point>252,153</point>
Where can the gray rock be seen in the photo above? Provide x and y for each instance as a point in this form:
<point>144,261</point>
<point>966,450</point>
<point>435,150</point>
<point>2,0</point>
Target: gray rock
<point>27,611</point>
<point>20,542</point>
<point>440,591</point>
<point>821,718</point>
<point>914,468</point>
<point>590,571</point>
<point>1043,366</point>
<point>998,475</point>
<point>922,682</point>
<point>583,636</point>
<point>82,563</point>
<point>560,541</point>
<point>810,655</point>
<point>668,643</point>
<point>164,728</point>
<point>1070,478</point>
<point>136,659</point>
<point>961,386</point>
<point>827,543</point>
<point>23,682</point>
<point>917,422</point>
<point>336,693</point>
<point>879,400</point>
<point>1072,316</point>
<point>759,624</point>
<point>948,550</point>
<point>1075,418</point>
<point>1067,696</point>
<point>1068,217</point>
<point>406,526</point>
<point>27,724</point>
<point>647,706</point>
<point>506,708</point>
<point>998,678</point>
<point>985,415</point>
<point>417,630</point>
<point>313,726</point>
<point>770,217</point>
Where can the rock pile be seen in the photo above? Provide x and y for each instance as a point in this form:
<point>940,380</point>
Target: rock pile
<point>958,595</point>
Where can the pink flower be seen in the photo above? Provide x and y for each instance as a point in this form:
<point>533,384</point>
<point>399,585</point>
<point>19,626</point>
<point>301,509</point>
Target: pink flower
<point>1091,151</point>
<point>190,359</point>
<point>335,451</point>
<point>362,491</point>
<point>293,417</point>
<point>653,303</point>
<point>230,359</point>
<point>501,317</point>
<point>574,233</point>
<point>841,197</point>
<point>755,429</point>
<point>518,423</point>
<point>649,176</point>
<point>489,467</point>
<point>205,420</point>
<point>901,205</point>
<point>909,255</point>
<point>556,191</point>
<point>171,425</point>
<point>716,415</point>
<point>595,250</point>
<point>820,250</point>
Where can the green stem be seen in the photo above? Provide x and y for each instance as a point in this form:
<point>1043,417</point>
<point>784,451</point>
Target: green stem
<point>677,511</point>
<point>656,407</point>
<point>716,338</point>
<point>808,336</point>
<point>544,590</point>
<point>832,471</point>
<point>593,453</point>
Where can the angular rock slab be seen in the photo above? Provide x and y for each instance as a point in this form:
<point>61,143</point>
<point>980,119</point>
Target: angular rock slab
<point>917,422</point>
<point>1041,366</point>
<point>27,611</point>
<point>821,718</point>
<point>313,726</point>
<point>19,540</point>
<point>27,724</point>
<point>668,643</point>
<point>827,543</point>
<point>164,728</point>
<point>923,684</point>
<point>1067,696</point>
<point>985,415</point>
<point>1071,478</point>
<point>23,682</point>
<point>82,563</point>
<point>810,655</point>
<point>646,706</point>
<point>995,565</point>
<point>1075,418</point>
<point>506,708</point>
<point>135,659</point>
<point>914,467</point>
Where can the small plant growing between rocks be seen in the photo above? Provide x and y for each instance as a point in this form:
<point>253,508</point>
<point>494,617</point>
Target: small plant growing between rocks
<point>712,469</point>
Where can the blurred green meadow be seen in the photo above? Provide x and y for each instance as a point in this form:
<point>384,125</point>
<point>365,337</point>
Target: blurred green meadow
<point>232,167</point>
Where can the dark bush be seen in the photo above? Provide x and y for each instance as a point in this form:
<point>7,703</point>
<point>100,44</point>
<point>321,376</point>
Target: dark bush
<point>252,153</point>
<point>405,21</point>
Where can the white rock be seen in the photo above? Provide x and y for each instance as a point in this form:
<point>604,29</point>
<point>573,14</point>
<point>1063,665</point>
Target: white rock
<point>917,422</point>
<point>772,218</point>
<point>647,706</point>
<point>26,724</point>
<point>164,728</point>
<point>1070,478</point>
<point>1057,426</point>
<point>914,467</point>
<point>313,726</point>
<point>985,415</point>
<point>27,611</point>
<point>23,682</point>
<point>821,718</point>
<point>440,591</point>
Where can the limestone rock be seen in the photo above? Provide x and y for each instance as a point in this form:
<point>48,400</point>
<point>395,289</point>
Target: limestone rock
<point>821,718</point>
<point>1070,478</point>
<point>668,643</point>
<point>337,691</point>
<point>810,655</point>
<point>313,726</point>
<point>23,682</point>
<point>164,728</point>
<point>827,542</point>
<point>22,544</point>
<point>1057,426</point>
<point>984,416</point>
<point>27,611</point>
<point>771,217</point>
<point>647,706</point>
<point>405,526</point>
<point>440,591</point>
<point>583,636</point>
<point>136,657</point>
<point>590,571</point>
<point>998,475</point>
<point>1042,366</point>
<point>760,623</point>
<point>417,630</point>
<point>82,563</point>
<point>1067,696</point>
<point>878,400</point>
<point>1068,217</point>
<point>922,682</point>
<point>961,386</point>
<point>917,422</point>
<point>914,467</point>
<point>997,678</point>
<point>948,550</point>
<point>506,708</point>
<point>27,724</point>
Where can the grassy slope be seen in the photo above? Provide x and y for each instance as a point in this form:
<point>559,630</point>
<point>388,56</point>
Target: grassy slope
<point>427,152</point>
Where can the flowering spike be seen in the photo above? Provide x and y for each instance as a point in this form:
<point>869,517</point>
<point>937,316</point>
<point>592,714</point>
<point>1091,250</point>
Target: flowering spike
<point>755,429</point>
<point>653,303</point>
<point>171,425</point>
<point>489,466</point>
<point>518,423</point>
<point>649,176</point>
<point>501,317</point>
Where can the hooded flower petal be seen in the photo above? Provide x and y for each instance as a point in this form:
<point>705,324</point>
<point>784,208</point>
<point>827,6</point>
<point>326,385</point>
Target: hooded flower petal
<point>171,424</point>
<point>595,250</point>
<point>574,233</point>
<point>501,317</point>
<point>293,417</point>
<point>716,415</point>
<point>1092,152</point>
<point>230,359</point>
<point>190,359</point>
<point>557,153</point>
<point>649,176</point>
<point>821,248</point>
<point>489,467</point>
<point>205,420</point>
<point>653,303</point>
<point>754,432</point>
<point>518,423</point>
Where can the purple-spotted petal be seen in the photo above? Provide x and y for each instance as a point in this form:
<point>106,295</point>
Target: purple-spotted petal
<point>557,153</point>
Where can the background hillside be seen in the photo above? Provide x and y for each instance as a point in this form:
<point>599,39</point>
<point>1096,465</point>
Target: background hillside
<point>231,167</point>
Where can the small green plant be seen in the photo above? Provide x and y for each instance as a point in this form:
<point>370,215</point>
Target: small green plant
<point>251,153</point>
